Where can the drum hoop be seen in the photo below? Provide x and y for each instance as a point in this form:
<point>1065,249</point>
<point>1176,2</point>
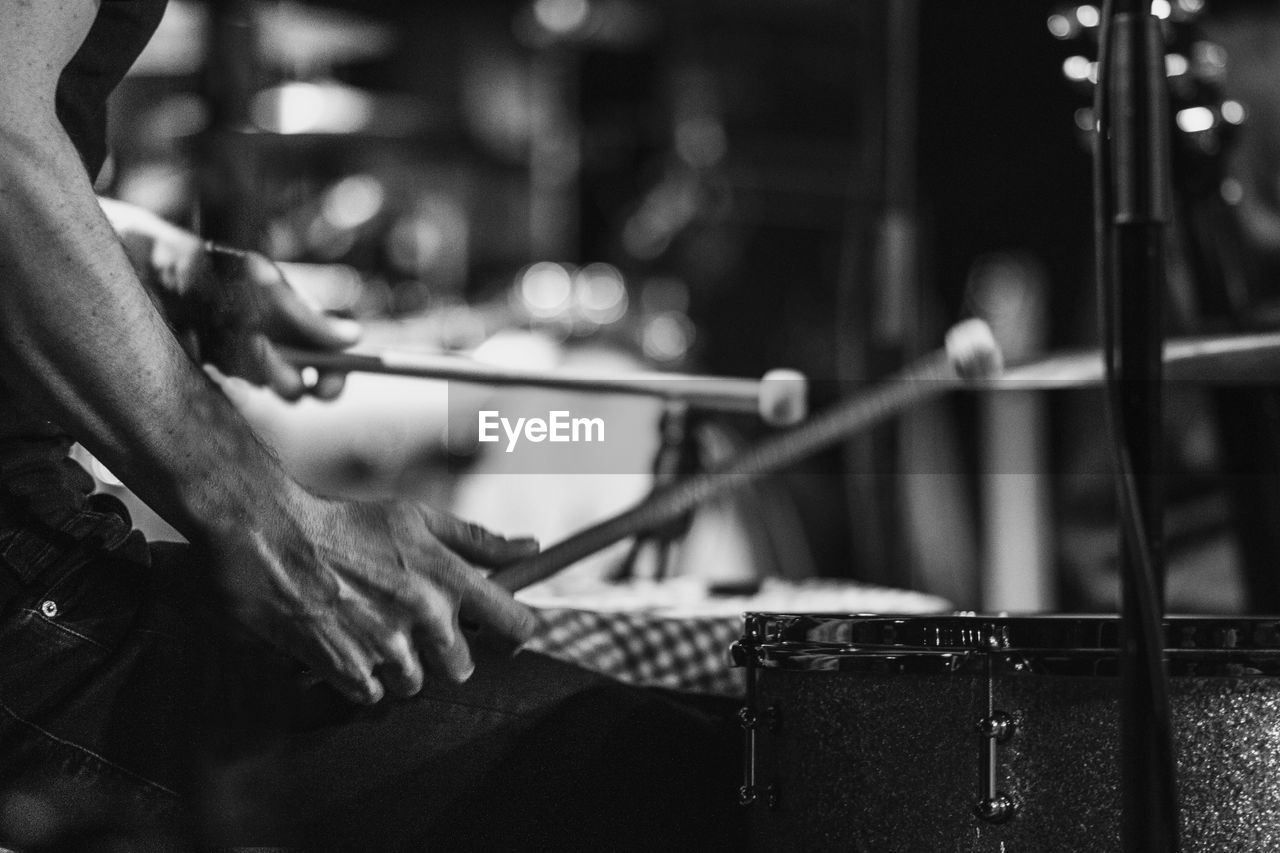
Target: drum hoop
<point>1048,644</point>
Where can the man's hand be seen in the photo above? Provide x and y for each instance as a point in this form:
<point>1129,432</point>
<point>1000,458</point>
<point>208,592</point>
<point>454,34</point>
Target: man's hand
<point>229,308</point>
<point>368,595</point>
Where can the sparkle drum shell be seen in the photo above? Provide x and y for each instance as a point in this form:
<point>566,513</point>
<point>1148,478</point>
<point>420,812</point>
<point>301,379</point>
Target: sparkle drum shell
<point>974,734</point>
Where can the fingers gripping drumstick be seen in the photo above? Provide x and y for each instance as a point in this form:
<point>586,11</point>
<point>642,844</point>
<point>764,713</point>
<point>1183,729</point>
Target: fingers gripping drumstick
<point>970,355</point>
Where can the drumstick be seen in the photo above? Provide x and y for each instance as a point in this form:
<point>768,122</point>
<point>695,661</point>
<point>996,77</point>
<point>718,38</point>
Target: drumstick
<point>970,354</point>
<point>1223,360</point>
<point>779,397</point>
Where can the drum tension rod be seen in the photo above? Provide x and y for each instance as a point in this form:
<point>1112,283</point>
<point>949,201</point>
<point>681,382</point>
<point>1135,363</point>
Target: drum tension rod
<point>995,728</point>
<point>751,721</point>
<point>992,805</point>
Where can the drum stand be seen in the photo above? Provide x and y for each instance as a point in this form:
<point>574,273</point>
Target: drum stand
<point>675,458</point>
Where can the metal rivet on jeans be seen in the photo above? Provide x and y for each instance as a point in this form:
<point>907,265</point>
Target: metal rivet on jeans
<point>49,608</point>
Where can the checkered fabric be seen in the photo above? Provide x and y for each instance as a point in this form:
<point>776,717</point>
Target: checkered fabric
<point>681,653</point>
<point>674,634</point>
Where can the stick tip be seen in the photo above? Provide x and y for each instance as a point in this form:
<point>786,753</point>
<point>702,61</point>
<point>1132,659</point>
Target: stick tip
<point>972,350</point>
<point>784,397</point>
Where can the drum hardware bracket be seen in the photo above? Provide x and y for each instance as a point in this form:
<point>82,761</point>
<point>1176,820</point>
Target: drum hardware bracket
<point>993,729</point>
<point>748,719</point>
<point>751,723</point>
<point>749,794</point>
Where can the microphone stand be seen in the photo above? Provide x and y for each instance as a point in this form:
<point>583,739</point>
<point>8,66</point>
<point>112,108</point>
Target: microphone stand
<point>1132,185</point>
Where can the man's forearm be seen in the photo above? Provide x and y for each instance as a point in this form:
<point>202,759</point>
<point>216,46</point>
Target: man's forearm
<point>83,342</point>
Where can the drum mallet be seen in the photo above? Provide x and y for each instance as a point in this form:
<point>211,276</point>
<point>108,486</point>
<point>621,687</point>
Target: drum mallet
<point>970,355</point>
<point>780,397</point>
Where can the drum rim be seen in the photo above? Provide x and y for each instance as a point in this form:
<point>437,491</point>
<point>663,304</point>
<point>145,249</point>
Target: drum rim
<point>1231,645</point>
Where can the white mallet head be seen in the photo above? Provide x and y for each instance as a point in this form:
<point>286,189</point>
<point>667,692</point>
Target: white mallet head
<point>784,397</point>
<point>972,350</point>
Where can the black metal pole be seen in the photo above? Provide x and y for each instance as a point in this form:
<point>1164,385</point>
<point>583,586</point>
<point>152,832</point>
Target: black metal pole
<point>226,155</point>
<point>1133,152</point>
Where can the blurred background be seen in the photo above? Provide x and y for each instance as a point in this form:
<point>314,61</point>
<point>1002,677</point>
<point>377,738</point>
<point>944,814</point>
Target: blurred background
<point>720,187</point>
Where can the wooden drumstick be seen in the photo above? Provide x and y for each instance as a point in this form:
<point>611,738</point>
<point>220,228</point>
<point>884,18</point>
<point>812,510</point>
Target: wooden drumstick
<point>780,397</point>
<point>971,354</point>
<point>1224,360</point>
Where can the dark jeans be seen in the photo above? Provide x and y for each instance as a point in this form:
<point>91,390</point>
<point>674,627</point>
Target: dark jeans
<point>129,709</point>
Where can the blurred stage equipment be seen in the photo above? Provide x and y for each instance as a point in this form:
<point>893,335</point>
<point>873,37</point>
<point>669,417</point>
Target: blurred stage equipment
<point>970,354</point>
<point>300,39</point>
<point>304,39</point>
<point>1010,291</point>
<point>322,107</point>
<point>880,301</point>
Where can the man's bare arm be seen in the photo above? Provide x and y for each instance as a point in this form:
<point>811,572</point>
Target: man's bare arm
<point>346,587</point>
<point>80,336</point>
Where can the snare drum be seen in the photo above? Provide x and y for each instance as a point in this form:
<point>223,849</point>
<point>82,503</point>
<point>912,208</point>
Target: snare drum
<point>975,734</point>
